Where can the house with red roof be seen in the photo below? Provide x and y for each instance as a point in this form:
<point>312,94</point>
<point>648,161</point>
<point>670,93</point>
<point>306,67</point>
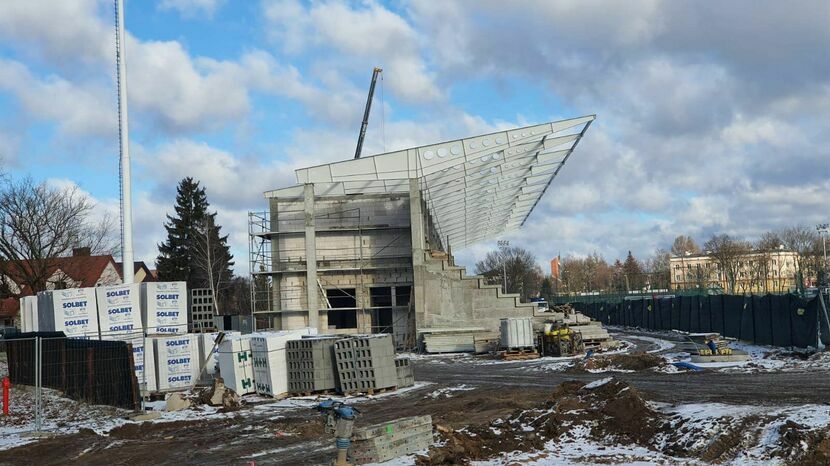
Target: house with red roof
<point>79,270</point>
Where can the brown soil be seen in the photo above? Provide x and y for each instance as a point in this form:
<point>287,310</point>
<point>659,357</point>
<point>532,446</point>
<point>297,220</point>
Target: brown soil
<point>626,362</point>
<point>615,412</point>
<point>801,446</point>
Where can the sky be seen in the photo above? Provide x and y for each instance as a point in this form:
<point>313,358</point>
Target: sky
<point>711,118</point>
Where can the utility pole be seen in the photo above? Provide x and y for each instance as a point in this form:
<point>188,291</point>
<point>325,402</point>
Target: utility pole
<point>503,245</point>
<point>823,229</point>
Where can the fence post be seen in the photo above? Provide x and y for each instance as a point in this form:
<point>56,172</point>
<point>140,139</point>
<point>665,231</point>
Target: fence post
<point>38,384</point>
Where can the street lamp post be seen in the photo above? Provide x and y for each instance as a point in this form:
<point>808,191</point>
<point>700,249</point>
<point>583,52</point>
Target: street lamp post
<point>503,245</point>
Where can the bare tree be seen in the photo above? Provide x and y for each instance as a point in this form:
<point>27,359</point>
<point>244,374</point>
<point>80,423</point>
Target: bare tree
<point>209,260</point>
<point>802,240</point>
<point>684,244</point>
<point>658,269</point>
<point>729,255</point>
<point>515,265</point>
<point>39,224</point>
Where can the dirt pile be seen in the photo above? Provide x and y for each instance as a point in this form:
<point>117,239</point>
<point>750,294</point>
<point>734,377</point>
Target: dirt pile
<point>610,410</point>
<point>619,362</point>
<point>800,445</point>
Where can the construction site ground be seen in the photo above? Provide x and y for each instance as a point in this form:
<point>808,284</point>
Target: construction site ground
<point>630,406</point>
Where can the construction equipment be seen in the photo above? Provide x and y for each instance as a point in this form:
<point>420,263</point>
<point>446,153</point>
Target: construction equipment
<point>339,421</point>
<point>365,123</point>
<point>558,339</point>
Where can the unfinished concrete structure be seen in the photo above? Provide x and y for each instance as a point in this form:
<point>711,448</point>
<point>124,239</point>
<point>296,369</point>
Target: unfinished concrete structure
<point>365,245</point>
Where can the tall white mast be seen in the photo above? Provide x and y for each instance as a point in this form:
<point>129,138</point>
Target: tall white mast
<point>124,140</point>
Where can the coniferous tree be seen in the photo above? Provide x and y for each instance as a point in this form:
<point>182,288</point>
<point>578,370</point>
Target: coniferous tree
<point>179,255</point>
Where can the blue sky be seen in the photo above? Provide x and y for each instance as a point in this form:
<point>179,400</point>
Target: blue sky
<point>708,120</point>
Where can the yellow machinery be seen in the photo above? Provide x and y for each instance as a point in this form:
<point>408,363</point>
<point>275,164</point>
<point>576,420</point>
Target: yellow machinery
<point>557,339</point>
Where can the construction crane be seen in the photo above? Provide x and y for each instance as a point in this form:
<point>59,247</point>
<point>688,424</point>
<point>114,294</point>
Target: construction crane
<point>365,123</point>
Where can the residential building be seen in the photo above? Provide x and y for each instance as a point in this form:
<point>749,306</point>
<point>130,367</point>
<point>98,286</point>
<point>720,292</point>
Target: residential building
<point>756,272</point>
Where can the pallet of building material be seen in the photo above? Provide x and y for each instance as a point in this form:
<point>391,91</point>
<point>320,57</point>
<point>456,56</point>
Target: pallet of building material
<point>486,343</point>
<point>268,350</point>
<point>311,366</point>
<point>449,340</point>
<point>365,364</point>
<point>382,442</point>
<point>516,333</point>
<point>406,376</point>
<point>519,355</point>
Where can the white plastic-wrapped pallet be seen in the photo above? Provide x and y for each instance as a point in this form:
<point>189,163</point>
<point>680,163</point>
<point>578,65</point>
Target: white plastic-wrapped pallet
<point>164,307</point>
<point>236,364</point>
<point>176,365</point>
<point>72,311</point>
<point>206,343</point>
<point>269,359</point>
<point>28,314</point>
<point>145,362</point>
<point>517,333</point>
<point>119,311</point>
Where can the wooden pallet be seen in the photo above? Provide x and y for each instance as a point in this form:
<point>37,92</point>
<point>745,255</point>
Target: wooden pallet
<point>328,392</point>
<point>369,391</point>
<point>519,355</point>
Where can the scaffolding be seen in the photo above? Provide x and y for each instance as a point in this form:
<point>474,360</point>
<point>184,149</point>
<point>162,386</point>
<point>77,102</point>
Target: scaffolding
<point>367,249</point>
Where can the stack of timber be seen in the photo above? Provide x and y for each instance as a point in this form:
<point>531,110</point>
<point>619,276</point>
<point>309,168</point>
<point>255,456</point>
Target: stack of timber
<point>593,334</point>
<point>450,340</point>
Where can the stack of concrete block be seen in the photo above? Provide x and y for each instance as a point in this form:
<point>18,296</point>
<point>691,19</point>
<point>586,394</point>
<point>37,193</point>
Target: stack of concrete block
<point>269,359</point>
<point>406,377</point>
<point>176,365</point>
<point>164,307</point>
<point>517,333</point>
<point>72,311</point>
<point>311,365</point>
<point>365,363</point>
<point>383,442</point>
<point>236,364</point>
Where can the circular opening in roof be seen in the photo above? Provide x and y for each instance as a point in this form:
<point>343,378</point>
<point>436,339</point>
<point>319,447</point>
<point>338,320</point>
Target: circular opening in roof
<point>484,158</point>
<point>496,156</point>
<point>493,169</point>
<point>428,155</point>
<point>483,172</point>
<point>442,152</point>
<point>455,150</point>
<point>473,145</point>
<point>499,140</point>
<point>524,135</point>
<point>485,142</point>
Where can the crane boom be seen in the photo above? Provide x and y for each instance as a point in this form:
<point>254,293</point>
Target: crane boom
<point>365,123</point>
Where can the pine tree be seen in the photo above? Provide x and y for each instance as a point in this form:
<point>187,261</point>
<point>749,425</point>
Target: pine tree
<point>178,255</point>
<point>633,272</point>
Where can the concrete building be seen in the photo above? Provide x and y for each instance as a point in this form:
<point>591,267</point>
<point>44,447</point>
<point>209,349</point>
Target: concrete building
<point>757,272</point>
<point>365,245</point>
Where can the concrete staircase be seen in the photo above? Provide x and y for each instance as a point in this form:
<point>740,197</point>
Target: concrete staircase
<point>453,299</point>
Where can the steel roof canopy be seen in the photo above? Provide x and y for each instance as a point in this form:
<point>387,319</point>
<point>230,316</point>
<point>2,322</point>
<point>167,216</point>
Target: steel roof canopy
<point>475,188</point>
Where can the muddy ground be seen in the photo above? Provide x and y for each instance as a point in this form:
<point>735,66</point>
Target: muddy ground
<point>263,435</point>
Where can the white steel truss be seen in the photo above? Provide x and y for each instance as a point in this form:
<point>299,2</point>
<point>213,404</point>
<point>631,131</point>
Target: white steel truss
<point>475,188</point>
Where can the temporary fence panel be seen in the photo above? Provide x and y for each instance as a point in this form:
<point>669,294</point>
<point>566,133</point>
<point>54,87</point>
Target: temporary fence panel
<point>164,307</point>
<point>748,319</point>
<point>781,319</point>
<point>821,306</point>
<point>705,315</point>
<point>762,317</point>
<point>732,308</point>
<point>716,317</point>
<point>72,311</point>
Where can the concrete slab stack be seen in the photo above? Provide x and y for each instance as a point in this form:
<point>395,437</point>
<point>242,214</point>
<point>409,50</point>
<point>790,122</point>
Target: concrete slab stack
<point>406,376</point>
<point>236,364</point>
<point>382,442</point>
<point>365,363</point>
<point>311,366</point>
<point>176,360</point>
<point>72,311</point>
<point>270,366</point>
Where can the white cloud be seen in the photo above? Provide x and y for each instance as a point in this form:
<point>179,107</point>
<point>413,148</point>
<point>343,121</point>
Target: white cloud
<point>78,109</point>
<point>371,33</point>
<point>192,8</point>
